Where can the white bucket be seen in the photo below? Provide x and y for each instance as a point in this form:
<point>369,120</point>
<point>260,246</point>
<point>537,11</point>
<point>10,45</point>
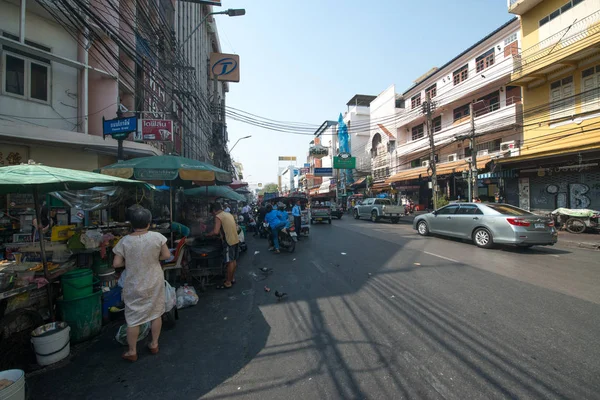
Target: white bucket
<point>16,391</point>
<point>51,342</point>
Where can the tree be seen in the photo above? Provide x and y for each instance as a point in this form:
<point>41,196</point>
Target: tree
<point>269,188</point>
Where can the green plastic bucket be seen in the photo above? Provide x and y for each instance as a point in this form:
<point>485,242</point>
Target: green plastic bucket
<point>77,283</point>
<point>84,315</point>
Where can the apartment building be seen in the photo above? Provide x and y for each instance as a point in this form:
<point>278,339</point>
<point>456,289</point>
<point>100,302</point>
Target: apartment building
<point>470,92</point>
<point>558,68</point>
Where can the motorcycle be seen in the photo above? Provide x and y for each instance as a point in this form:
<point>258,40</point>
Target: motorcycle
<point>263,230</point>
<point>287,238</point>
<point>242,238</point>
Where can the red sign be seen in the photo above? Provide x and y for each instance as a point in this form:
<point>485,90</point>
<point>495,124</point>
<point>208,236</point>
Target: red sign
<point>155,130</point>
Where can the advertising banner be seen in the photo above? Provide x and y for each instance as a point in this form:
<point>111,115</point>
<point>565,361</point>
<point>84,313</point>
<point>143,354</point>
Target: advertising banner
<point>225,67</point>
<point>154,130</point>
<point>323,171</point>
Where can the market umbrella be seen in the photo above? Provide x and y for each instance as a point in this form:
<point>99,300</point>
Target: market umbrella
<point>215,191</point>
<point>238,184</point>
<point>36,178</point>
<point>180,170</point>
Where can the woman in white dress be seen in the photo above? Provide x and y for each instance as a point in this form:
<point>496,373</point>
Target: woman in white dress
<point>144,286</point>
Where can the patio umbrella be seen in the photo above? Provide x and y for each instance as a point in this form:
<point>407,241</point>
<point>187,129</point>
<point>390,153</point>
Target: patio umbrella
<point>181,171</point>
<point>37,179</point>
<point>215,191</point>
<point>238,184</point>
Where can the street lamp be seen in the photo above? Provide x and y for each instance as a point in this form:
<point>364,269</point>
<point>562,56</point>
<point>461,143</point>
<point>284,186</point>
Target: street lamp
<point>245,137</point>
<point>232,12</point>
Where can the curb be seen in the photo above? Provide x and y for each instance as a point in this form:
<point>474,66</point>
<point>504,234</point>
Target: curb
<point>581,245</point>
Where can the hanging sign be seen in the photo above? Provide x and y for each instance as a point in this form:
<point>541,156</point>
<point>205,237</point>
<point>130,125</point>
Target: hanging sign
<point>154,130</point>
<point>119,128</point>
<point>344,161</point>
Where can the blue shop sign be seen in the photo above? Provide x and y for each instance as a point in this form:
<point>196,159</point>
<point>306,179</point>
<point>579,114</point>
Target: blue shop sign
<point>119,125</point>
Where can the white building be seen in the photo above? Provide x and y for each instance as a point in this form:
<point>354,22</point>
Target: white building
<point>478,78</point>
<point>358,118</point>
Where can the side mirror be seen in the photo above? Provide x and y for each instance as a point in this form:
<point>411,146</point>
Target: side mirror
<point>435,212</point>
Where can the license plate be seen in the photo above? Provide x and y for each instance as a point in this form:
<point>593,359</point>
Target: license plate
<point>319,219</point>
<point>540,226</point>
<point>293,234</point>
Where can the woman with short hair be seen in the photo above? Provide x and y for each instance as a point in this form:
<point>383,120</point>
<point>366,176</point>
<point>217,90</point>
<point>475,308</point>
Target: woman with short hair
<point>144,286</point>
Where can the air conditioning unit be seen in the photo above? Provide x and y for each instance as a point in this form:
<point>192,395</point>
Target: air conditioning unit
<point>452,157</point>
<point>425,163</point>
<point>482,152</point>
<point>469,159</point>
<point>506,146</point>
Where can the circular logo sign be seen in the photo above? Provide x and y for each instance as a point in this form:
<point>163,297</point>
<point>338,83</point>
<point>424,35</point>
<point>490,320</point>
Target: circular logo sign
<point>345,156</point>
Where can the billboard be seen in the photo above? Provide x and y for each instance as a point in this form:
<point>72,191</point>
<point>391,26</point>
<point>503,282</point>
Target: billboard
<point>225,67</point>
<point>154,130</point>
<point>287,158</point>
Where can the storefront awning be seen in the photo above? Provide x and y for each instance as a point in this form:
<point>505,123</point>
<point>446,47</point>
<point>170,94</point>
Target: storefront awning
<point>377,187</point>
<point>442,169</point>
<point>548,154</point>
<point>361,183</point>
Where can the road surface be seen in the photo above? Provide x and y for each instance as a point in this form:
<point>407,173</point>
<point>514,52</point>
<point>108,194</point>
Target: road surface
<point>373,312</point>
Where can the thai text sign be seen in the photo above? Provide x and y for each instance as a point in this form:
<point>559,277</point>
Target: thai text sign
<point>119,128</point>
<point>323,171</point>
<point>344,161</point>
<point>155,130</point>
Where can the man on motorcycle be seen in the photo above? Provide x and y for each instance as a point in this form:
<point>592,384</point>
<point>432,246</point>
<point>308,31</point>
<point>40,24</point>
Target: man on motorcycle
<point>276,223</point>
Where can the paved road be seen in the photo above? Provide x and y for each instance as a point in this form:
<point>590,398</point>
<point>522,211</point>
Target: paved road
<point>374,311</point>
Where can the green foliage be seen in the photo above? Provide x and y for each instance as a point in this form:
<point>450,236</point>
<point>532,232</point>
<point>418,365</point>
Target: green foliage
<point>442,201</point>
<point>269,188</point>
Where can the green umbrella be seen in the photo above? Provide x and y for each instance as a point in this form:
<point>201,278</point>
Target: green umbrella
<point>184,171</point>
<point>216,192</point>
<point>38,179</point>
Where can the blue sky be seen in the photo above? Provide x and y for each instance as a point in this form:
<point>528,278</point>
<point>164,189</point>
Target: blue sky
<point>303,61</point>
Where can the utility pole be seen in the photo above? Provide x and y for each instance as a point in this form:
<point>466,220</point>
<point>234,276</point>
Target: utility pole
<point>473,166</point>
<point>427,110</point>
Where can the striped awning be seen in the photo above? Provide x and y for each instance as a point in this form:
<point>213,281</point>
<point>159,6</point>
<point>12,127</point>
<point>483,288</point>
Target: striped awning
<point>505,173</point>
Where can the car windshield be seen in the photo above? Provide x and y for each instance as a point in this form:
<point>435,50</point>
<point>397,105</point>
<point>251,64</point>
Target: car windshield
<point>506,209</point>
<point>384,202</point>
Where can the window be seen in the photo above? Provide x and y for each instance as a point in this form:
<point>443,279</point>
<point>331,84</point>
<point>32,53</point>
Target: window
<point>562,102</point>
<point>554,14</point>
<point>461,112</point>
<point>415,101</point>
<point>485,60</point>
<point>510,39</point>
<point>491,146</point>
<point>590,88</point>
<point>487,104</point>
<point>461,74</point>
<point>506,209</point>
<point>431,91</point>
<point>448,210</point>
<point>25,75</point>
<point>383,202</point>
<point>469,209</point>
<point>417,132</point>
<point>415,163</point>
<point>399,103</point>
<point>436,124</point>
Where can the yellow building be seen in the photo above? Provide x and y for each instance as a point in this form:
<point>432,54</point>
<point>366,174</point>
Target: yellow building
<point>558,67</point>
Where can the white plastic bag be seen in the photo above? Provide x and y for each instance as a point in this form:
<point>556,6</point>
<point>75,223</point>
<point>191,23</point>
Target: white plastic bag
<point>170,297</point>
<point>121,335</point>
<point>186,296</point>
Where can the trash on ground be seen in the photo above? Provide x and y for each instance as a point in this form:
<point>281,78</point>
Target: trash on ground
<point>267,289</point>
<point>256,252</point>
<point>417,263</point>
<point>121,335</point>
<point>186,296</point>
<point>343,254</point>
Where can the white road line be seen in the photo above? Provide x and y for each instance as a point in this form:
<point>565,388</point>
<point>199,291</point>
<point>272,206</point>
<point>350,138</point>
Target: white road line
<point>318,267</point>
<point>438,256</point>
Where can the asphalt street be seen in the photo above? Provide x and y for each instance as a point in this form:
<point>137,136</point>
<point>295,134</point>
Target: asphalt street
<point>373,312</point>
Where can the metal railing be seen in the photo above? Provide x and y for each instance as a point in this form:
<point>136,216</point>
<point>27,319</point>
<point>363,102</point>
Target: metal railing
<point>586,27</point>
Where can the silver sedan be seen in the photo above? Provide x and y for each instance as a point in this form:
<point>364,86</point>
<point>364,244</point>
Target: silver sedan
<point>488,224</point>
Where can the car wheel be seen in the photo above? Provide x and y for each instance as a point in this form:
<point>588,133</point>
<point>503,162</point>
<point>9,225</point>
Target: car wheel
<point>422,228</point>
<point>340,217</point>
<point>483,238</point>
<point>374,217</point>
<point>356,215</point>
<point>395,220</point>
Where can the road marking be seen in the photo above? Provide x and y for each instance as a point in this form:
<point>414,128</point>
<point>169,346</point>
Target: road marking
<point>438,256</point>
<point>318,267</point>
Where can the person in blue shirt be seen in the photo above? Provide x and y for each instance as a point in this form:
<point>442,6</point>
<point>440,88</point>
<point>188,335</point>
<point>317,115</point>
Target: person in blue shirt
<point>297,214</point>
<point>276,223</point>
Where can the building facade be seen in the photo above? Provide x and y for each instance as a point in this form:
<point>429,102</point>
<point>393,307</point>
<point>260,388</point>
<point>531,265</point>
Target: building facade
<point>558,68</point>
<point>65,69</point>
<point>475,114</point>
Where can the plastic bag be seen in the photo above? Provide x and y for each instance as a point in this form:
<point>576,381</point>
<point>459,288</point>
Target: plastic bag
<point>170,297</point>
<point>121,335</point>
<point>186,296</point>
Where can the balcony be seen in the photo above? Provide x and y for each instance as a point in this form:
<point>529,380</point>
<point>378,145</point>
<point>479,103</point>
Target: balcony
<point>490,122</point>
<point>537,58</point>
<point>520,7</point>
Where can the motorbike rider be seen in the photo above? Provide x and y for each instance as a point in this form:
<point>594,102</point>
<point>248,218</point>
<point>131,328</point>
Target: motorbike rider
<point>276,224</point>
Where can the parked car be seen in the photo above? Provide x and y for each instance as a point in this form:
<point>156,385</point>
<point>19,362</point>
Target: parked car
<point>488,224</point>
<point>377,209</point>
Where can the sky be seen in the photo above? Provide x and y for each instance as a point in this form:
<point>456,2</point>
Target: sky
<point>303,61</point>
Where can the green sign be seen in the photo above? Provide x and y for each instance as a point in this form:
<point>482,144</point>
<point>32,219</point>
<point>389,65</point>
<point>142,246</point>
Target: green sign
<point>344,162</point>
<point>120,135</point>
